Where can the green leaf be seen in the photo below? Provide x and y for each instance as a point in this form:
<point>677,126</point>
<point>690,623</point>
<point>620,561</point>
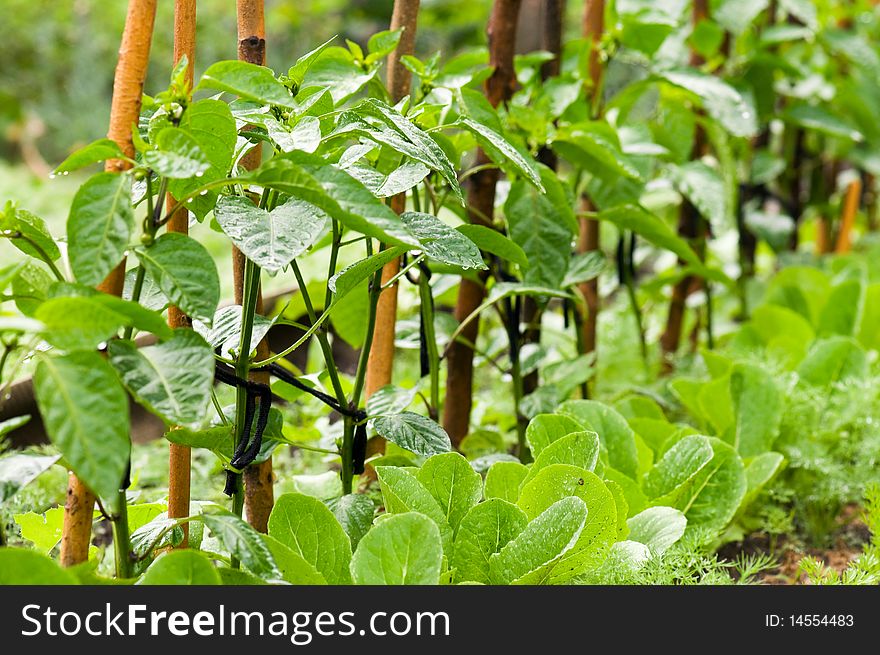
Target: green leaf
<point>757,406</point>
<point>382,43</point>
<point>613,430</point>
<point>594,148</point>
<point>178,155</point>
<point>720,100</point>
<point>538,224</point>
<point>529,557</point>
<point>484,531</point>
<point>354,513</point>
<point>297,72</point>
<point>225,331</point>
<point>185,272</point>
<point>247,81</point>
<point>502,152</point>
<point>43,530</point>
<point>34,233</point>
<point>30,284</point>
<point>270,239</point>
<point>351,276</point>
<point>414,432</point>
<point>18,471</point>
<point>819,120</point>
<point>335,69</point>
<point>842,312</point>
<point>504,479</point>
<point>172,379</point>
<point>306,526</point>
<point>492,241</point>
<point>19,566</point>
<point>442,243</point>
<point>558,481</point>
<point>759,471</point>
<point>579,449</point>
<point>678,466</point>
<point>241,540</point>
<point>181,567</point>
<point>99,226</point>
<point>831,360</point>
<point>704,188</point>
<point>96,151</point>
<point>85,412</point>
<point>77,323</point>
<point>658,528</point>
<point>293,566</point>
<point>402,492</point>
<point>583,267</point>
<point>452,482</point>
<point>403,549</point>
<point>544,429</point>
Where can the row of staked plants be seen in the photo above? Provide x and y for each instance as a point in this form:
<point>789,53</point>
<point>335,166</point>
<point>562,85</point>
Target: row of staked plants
<point>549,485</point>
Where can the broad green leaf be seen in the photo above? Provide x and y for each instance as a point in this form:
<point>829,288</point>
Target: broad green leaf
<point>529,557</point>
<point>492,241</point>
<point>678,466</point>
<point>181,567</point>
<point>185,272</point>
<point>293,566</point>
<point>30,285</point>
<point>351,276</point>
<point>414,432</point>
<point>802,289</point>
<point>502,152</point>
<point>178,155</point>
<point>85,411</point>
<point>297,72</point>
<point>77,323</point>
<point>635,498</point>
<point>20,566</point>
<point>831,360</point>
<point>403,549</point>
<point>658,528</point>
<point>558,481</point>
<point>593,147</point>
<point>819,120</point>
<point>151,296</point>
<point>354,513</point>
<point>484,531</point>
<point>759,471</point>
<point>842,312</point>
<point>704,188</point>
<point>712,496</point>
<point>225,331</point>
<point>402,492</point>
<point>35,240</point>
<point>544,429</point>
<point>613,430</point>
<point>270,239</point>
<point>241,540</point>
<point>621,507</point>
<point>336,69</point>
<point>305,135</point>
<point>305,525</point>
<point>720,100</point>
<point>737,15</point>
<point>247,81</point>
<point>757,406</point>
<point>539,226</point>
<point>583,267</point>
<point>654,229</point>
<point>579,449</point>
<point>452,482</point>
<point>172,379</point>
<point>96,151</point>
<point>390,399</point>
<point>382,44</point>
<point>503,480</point>
<point>43,530</point>
<point>442,243</point>
<point>869,330</point>
<point>99,226</point>
<point>19,470</point>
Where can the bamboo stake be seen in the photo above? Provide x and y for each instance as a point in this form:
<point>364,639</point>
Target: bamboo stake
<point>258,478</point>
<point>128,84</point>
<point>380,362</point>
<point>481,203</point>
<point>690,227</point>
<point>179,456</point>
<point>848,216</point>
<point>588,239</point>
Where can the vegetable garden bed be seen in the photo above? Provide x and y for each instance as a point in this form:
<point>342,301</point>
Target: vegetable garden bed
<point>613,306</point>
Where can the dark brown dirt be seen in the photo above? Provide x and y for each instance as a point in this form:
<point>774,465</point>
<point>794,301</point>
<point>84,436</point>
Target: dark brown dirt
<point>848,542</point>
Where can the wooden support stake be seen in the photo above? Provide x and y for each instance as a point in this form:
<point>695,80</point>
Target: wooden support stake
<point>128,85</point>
<point>848,216</point>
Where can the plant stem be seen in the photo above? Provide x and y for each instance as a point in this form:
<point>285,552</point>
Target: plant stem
<point>43,255</point>
<point>136,295</point>
<point>121,539</point>
<point>427,308</point>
